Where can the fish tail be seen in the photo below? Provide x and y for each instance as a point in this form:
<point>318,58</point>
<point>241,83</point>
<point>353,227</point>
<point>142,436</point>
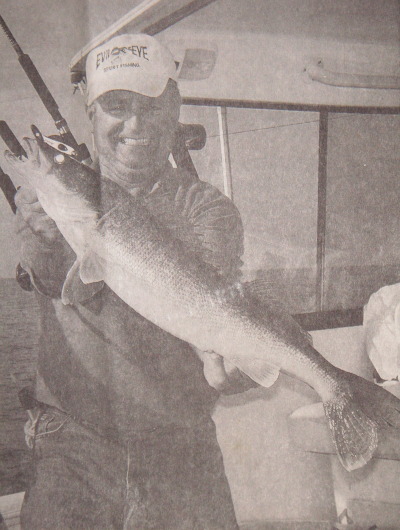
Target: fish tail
<point>356,414</point>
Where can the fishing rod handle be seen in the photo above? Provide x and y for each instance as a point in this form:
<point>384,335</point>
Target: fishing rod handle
<point>11,140</point>
<point>9,190</point>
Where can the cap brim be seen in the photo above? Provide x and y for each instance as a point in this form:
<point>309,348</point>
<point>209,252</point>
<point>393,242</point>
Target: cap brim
<point>147,85</point>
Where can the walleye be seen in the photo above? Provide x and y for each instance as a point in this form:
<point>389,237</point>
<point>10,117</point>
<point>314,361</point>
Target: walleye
<point>157,275</point>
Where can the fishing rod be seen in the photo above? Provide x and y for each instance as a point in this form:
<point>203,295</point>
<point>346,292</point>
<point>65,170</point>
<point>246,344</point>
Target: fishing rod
<point>11,140</point>
<point>9,190</point>
<point>6,184</point>
<point>45,95</point>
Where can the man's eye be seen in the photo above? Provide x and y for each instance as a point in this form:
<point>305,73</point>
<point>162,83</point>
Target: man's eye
<point>155,110</point>
<point>115,108</point>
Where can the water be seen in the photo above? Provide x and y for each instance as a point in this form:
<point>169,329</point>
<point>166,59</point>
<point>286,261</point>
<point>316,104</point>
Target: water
<point>18,354</point>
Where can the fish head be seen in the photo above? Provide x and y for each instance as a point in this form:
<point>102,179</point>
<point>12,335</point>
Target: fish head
<point>33,167</point>
<point>53,172</point>
<point>56,164</point>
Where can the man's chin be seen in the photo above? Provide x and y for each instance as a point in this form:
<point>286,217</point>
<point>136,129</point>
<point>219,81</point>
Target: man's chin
<point>127,174</point>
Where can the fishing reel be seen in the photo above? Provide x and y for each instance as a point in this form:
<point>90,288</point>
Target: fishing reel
<point>56,143</point>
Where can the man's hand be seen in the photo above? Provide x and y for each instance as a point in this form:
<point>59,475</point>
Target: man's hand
<point>223,375</point>
<point>31,212</point>
<point>44,253</point>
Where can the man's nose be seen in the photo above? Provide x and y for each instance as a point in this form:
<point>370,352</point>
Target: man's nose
<point>133,122</point>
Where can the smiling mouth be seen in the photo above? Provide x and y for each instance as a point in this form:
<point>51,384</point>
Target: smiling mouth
<point>126,140</point>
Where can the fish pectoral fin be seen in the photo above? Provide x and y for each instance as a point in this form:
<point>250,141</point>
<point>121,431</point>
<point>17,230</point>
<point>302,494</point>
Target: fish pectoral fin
<point>74,290</point>
<point>257,369</point>
<point>91,268</point>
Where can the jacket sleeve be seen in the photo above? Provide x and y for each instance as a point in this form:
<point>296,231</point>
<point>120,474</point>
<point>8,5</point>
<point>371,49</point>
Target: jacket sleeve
<point>46,263</point>
<point>204,218</point>
<point>217,223</point>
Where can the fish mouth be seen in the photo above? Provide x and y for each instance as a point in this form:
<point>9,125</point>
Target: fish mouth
<point>137,142</point>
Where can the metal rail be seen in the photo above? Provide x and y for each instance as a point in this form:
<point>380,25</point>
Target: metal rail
<point>321,209</point>
<point>225,152</point>
<point>269,105</point>
<point>317,72</point>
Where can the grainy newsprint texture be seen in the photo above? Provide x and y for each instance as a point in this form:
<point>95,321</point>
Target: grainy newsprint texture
<point>248,174</point>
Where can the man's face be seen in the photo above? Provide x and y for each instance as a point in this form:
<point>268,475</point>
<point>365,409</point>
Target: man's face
<point>134,134</point>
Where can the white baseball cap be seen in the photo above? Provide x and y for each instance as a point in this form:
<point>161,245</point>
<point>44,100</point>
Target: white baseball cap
<point>135,62</point>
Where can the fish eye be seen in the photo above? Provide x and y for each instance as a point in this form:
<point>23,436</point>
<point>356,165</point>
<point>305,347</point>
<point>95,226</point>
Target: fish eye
<point>59,159</point>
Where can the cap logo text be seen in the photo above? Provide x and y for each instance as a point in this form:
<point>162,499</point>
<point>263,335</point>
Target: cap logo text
<point>117,52</point>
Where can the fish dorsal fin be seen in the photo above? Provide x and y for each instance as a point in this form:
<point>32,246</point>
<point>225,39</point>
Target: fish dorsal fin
<point>74,290</point>
<point>265,293</point>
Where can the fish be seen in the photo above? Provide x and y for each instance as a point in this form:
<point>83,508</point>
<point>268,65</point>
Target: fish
<point>158,275</point>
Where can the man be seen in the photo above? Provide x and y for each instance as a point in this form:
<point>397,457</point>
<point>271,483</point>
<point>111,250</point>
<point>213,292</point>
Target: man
<point>122,434</point>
